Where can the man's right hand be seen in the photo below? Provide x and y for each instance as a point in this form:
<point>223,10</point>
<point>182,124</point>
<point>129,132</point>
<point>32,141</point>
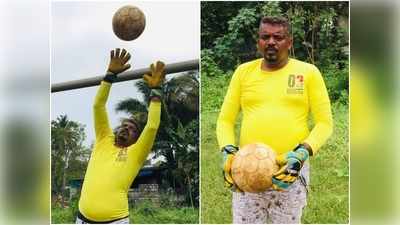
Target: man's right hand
<point>228,152</point>
<point>118,64</point>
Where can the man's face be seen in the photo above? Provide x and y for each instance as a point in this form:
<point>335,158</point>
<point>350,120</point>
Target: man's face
<point>127,133</point>
<point>274,43</point>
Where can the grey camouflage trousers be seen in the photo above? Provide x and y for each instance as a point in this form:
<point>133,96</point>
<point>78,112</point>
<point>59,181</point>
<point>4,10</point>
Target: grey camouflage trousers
<point>272,206</point>
<point>121,221</point>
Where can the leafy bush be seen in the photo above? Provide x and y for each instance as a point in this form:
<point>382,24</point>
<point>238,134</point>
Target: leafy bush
<point>337,82</point>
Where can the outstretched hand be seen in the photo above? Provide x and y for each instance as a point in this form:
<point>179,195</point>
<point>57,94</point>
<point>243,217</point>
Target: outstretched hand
<point>118,61</point>
<point>157,76</point>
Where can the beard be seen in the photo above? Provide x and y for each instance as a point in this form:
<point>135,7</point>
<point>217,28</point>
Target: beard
<point>271,56</point>
<point>122,136</point>
<point>271,59</point>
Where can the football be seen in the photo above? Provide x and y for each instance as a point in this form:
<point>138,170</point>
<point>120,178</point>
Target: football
<point>253,167</point>
<point>128,23</point>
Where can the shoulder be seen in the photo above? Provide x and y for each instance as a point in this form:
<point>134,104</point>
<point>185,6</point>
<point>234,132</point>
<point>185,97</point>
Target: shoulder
<point>301,64</point>
<point>250,64</point>
<point>247,67</point>
<point>307,69</point>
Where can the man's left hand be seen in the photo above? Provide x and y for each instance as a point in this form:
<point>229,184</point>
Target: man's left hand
<point>157,76</point>
<point>289,173</point>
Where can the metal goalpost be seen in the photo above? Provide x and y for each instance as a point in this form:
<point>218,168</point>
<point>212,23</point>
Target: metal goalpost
<point>126,76</point>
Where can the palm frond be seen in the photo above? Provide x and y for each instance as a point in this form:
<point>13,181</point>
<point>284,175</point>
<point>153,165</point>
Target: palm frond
<point>131,106</point>
<point>143,88</point>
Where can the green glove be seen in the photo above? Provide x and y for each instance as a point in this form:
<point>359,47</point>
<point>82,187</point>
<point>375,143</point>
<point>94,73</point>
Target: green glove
<point>289,173</point>
<point>228,153</point>
<point>117,64</point>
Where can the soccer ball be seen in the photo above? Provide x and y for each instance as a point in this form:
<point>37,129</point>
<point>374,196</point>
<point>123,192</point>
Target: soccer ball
<point>253,167</point>
<point>128,22</point>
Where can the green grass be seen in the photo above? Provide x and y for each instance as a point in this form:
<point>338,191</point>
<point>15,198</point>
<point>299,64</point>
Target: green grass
<point>60,215</point>
<point>328,196</point>
<point>143,213</point>
<point>146,213</point>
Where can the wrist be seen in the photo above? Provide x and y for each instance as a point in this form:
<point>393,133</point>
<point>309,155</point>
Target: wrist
<point>229,149</point>
<point>155,93</point>
<point>308,147</point>
<point>301,153</point>
<point>110,77</point>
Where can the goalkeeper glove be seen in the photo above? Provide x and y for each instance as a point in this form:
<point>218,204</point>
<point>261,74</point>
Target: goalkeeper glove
<point>117,64</point>
<point>228,153</point>
<point>289,173</point>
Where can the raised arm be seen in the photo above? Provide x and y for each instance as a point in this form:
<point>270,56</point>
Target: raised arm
<point>117,65</point>
<point>101,123</point>
<point>147,137</point>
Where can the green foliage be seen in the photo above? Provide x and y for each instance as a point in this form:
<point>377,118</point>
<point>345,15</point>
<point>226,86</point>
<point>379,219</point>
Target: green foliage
<point>328,196</point>
<point>319,38</point>
<point>61,215</point>
<point>68,154</point>
<point>213,92</point>
<point>337,81</point>
<point>233,47</point>
<point>211,15</point>
<point>74,207</point>
<point>147,213</point>
<point>65,215</point>
<point>208,65</point>
<point>271,9</point>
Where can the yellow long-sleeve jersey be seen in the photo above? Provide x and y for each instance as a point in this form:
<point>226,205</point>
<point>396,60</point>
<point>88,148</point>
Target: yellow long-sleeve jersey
<point>275,107</point>
<point>111,169</point>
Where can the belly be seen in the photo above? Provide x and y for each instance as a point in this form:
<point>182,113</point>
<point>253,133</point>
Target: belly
<point>280,129</point>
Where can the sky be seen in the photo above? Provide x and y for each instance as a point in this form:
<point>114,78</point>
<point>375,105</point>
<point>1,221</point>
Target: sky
<point>81,38</point>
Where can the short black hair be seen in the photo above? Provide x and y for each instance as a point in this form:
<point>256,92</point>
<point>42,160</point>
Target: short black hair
<point>276,20</point>
<point>139,119</point>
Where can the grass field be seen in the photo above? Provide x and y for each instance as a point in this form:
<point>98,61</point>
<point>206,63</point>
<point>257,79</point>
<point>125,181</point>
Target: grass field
<point>144,213</point>
<point>328,197</point>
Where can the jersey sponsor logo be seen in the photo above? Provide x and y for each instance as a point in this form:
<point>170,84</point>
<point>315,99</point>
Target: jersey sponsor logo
<point>295,84</point>
<point>122,155</point>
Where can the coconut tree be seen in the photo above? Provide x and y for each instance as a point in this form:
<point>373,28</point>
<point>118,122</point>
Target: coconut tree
<point>66,145</point>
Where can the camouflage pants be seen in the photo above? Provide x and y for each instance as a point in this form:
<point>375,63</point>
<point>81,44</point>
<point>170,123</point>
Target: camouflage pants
<point>121,221</point>
<point>272,206</point>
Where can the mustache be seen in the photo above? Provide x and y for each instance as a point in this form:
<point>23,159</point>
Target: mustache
<point>123,130</point>
<point>271,49</point>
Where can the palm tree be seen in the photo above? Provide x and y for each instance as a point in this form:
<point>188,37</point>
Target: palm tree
<point>66,141</point>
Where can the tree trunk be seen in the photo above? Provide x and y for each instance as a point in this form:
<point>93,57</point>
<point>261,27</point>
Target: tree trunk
<point>64,173</point>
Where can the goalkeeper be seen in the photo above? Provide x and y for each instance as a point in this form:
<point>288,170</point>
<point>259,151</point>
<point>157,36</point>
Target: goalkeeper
<point>117,157</point>
<point>275,94</point>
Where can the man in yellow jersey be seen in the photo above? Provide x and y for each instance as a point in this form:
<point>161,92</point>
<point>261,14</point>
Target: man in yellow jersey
<point>117,158</point>
<point>275,95</point>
